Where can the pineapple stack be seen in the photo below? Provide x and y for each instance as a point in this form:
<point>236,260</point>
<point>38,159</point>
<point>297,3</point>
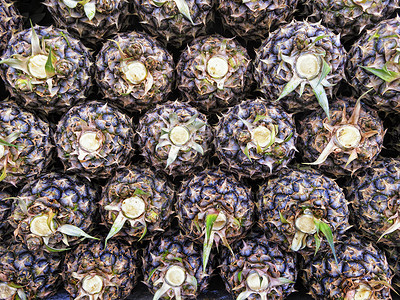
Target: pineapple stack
<point>205,148</point>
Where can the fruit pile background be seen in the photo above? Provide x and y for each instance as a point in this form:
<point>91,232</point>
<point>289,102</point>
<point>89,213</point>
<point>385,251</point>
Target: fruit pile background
<point>36,12</point>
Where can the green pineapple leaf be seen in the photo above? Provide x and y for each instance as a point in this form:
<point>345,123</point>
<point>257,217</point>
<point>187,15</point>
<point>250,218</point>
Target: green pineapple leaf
<point>21,294</point>
<point>90,9</point>
<point>290,87</point>
<point>3,173</point>
<point>71,3</point>
<point>321,96</point>
<point>49,68</point>
<point>288,138</point>
<point>140,192</point>
<point>144,232</point>
<point>319,38</point>
<point>384,74</point>
<point>246,152</point>
<point>325,71</point>
<point>209,239</point>
<point>184,9</point>
<point>317,243</point>
<point>116,227</point>
<point>283,219</point>
<point>53,250</point>
<point>72,230</point>
<point>258,118</point>
<point>15,286</point>
<point>327,232</point>
<point>35,42</point>
<point>239,275</point>
<point>178,259</point>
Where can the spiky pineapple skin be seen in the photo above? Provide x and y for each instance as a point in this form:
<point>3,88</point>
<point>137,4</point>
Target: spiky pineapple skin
<point>11,22</point>
<point>253,20</point>
<point>288,193</point>
<point>159,63</point>
<point>256,253</point>
<point>169,25</point>
<point>198,86</point>
<point>116,150</point>
<point>349,18</point>
<point>231,137</point>
<point>374,195</point>
<point>209,191</point>
<point>72,198</point>
<point>34,150</point>
<point>159,195</point>
<point>117,262</point>
<point>272,74</point>
<point>111,16</point>
<point>375,48</point>
<point>5,210</point>
<point>359,260</point>
<point>173,248</point>
<point>314,137</point>
<point>71,88</point>
<point>38,272</point>
<point>149,132</point>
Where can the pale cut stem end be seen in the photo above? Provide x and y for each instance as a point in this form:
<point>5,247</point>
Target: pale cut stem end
<point>179,135</point>
<point>92,284</point>
<point>37,66</point>
<point>256,282</point>
<point>348,136</point>
<point>363,292</point>
<point>308,66</point>
<point>133,207</point>
<point>39,226</point>
<point>90,141</point>
<point>261,136</point>
<point>2,151</point>
<point>175,276</point>
<point>135,72</point>
<point>217,67</point>
<point>6,291</point>
<point>306,224</point>
<point>220,222</point>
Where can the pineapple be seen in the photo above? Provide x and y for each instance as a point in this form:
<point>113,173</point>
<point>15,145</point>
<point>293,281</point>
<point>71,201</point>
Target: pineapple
<point>350,141</point>
<point>213,206</point>
<point>175,22</point>
<point>374,197</point>
<point>94,138</point>
<point>46,69</point>
<point>214,72</point>
<point>134,71</point>
<point>259,269</point>
<point>53,212</point>
<point>172,267</point>
<point>303,210</point>
<point>374,65</point>
<point>349,17</point>
<point>254,19</point>
<point>25,145</point>
<point>26,274</point>
<point>96,272</point>
<point>5,210</point>
<point>298,65</point>
<point>90,21</point>
<point>11,22</point>
<point>254,139</point>
<point>393,258</point>
<point>362,272</point>
<point>392,138</point>
<point>136,203</point>
<point>174,138</point>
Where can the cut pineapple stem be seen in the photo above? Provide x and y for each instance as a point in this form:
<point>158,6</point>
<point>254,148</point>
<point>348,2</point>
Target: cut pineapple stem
<point>133,207</point>
<point>175,276</point>
<point>261,136</point>
<point>220,222</point>
<point>92,284</point>
<point>348,136</point>
<point>37,66</point>
<point>40,226</point>
<point>2,151</point>
<point>256,282</point>
<point>179,135</point>
<point>135,72</point>
<point>6,291</point>
<point>308,66</point>
<point>363,292</point>
<point>304,225</point>
<point>217,67</point>
<point>90,141</point>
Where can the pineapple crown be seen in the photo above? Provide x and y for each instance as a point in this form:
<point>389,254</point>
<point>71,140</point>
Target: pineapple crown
<point>131,209</point>
<point>7,149</point>
<point>345,137</point>
<point>180,136</point>
<point>93,284</point>
<point>182,6</point>
<point>91,6</point>
<point>44,224</point>
<point>40,67</point>
<point>9,289</point>
<point>309,67</point>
